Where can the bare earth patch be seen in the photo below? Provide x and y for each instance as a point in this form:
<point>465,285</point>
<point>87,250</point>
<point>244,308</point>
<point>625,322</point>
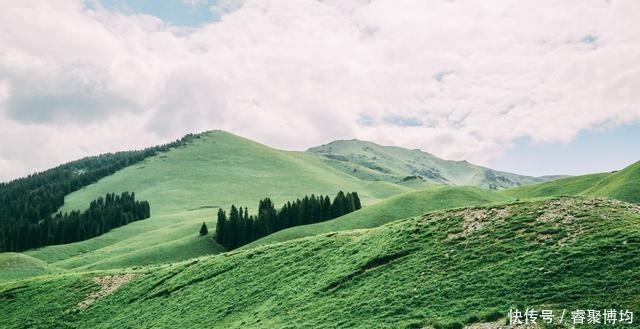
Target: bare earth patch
<point>475,219</point>
<point>108,285</point>
<point>556,210</point>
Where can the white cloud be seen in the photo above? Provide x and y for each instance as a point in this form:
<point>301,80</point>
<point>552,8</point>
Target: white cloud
<point>475,75</point>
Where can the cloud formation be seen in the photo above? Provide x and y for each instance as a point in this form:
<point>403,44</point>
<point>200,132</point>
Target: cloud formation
<point>461,79</point>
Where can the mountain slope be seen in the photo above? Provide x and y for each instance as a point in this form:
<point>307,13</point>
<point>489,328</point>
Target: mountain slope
<point>16,266</point>
<point>185,185</point>
<point>445,267</point>
<point>563,186</point>
<point>400,206</point>
<point>623,185</point>
<point>371,161</point>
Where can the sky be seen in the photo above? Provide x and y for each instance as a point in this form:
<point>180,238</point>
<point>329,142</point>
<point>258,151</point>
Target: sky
<point>535,87</point>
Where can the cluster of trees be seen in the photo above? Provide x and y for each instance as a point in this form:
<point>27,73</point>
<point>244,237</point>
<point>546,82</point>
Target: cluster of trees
<point>103,215</point>
<point>239,228</point>
<point>27,201</point>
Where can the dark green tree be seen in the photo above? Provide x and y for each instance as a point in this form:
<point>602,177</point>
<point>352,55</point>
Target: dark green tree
<point>242,228</point>
<point>356,200</point>
<point>220,226</point>
<point>203,229</point>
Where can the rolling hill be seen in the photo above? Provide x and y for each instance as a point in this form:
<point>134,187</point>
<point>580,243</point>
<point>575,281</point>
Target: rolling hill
<point>371,161</point>
<point>437,270</point>
<point>186,185</point>
<point>17,266</point>
<point>621,185</point>
<point>563,186</point>
<point>422,253</point>
<point>401,206</point>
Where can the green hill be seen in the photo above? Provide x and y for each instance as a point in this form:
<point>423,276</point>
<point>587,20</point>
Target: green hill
<point>622,185</point>
<point>185,186</point>
<point>445,267</point>
<point>564,186</point>
<point>401,206</point>
<point>15,266</point>
<point>371,161</point>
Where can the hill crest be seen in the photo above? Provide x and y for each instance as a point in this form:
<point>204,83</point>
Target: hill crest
<point>368,160</point>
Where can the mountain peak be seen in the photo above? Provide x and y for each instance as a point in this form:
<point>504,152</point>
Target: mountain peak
<point>368,160</point>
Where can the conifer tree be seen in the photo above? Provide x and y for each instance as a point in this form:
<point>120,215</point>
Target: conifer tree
<point>220,226</point>
<point>203,229</point>
<point>349,204</point>
<point>338,205</point>
<point>234,221</point>
<point>242,228</point>
<point>356,200</point>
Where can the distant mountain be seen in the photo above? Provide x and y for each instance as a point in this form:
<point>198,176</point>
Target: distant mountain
<point>370,161</point>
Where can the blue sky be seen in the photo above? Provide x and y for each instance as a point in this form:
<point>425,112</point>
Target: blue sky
<point>174,12</point>
<point>590,152</point>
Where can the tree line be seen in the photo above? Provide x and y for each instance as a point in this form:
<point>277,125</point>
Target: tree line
<point>239,228</point>
<point>104,214</point>
<point>37,197</point>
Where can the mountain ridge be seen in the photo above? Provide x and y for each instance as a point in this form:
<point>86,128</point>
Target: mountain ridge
<point>396,163</point>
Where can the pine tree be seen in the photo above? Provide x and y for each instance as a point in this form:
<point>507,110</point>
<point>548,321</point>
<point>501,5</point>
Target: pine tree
<point>349,204</point>
<point>338,205</point>
<point>356,200</point>
<point>326,208</point>
<point>203,229</point>
<point>235,228</point>
<point>220,225</point>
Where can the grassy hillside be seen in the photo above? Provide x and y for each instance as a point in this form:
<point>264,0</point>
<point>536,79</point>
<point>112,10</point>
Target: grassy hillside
<point>564,186</point>
<point>445,267</point>
<point>15,266</point>
<point>371,161</point>
<point>622,185</point>
<point>185,186</point>
<point>401,206</point>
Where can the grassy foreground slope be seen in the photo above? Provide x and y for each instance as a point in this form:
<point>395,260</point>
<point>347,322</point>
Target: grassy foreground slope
<point>398,207</point>
<point>371,161</point>
<point>185,186</point>
<point>444,267</point>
